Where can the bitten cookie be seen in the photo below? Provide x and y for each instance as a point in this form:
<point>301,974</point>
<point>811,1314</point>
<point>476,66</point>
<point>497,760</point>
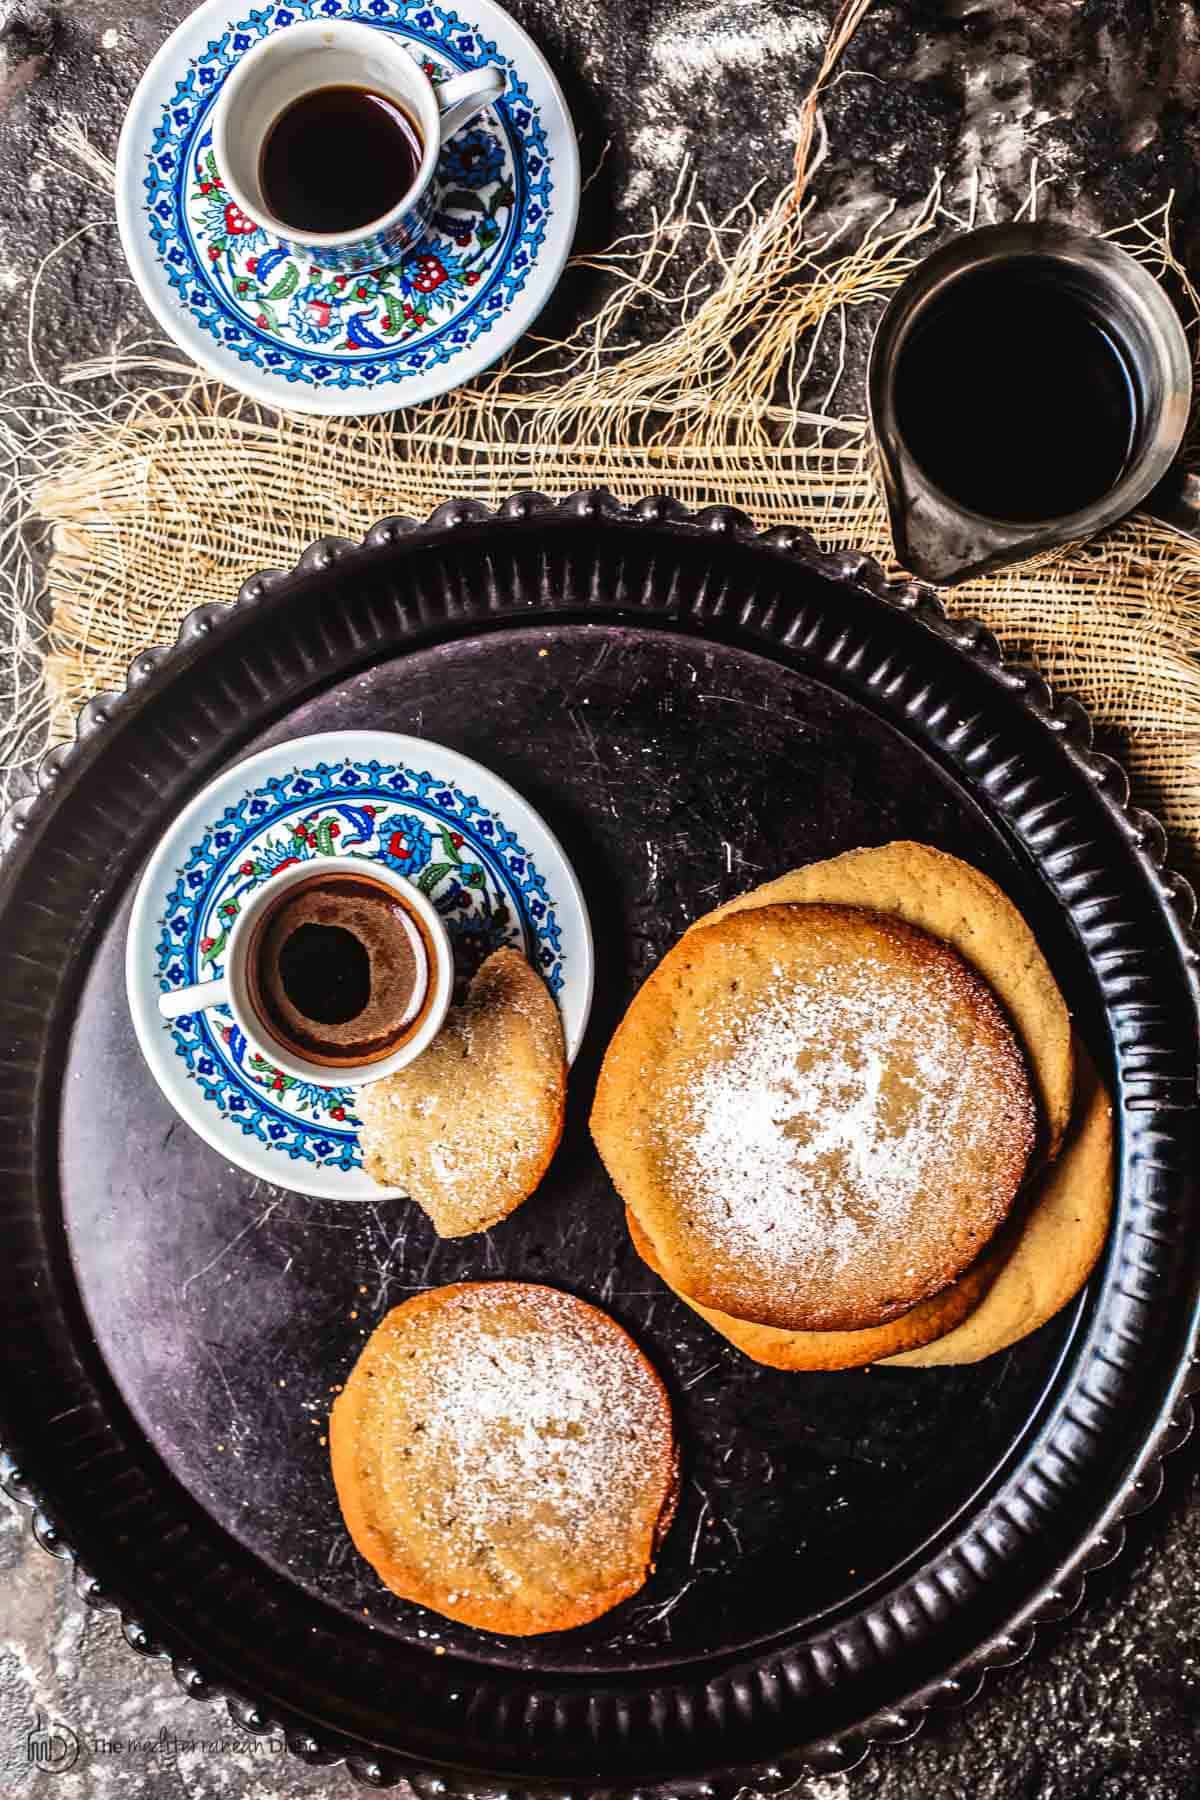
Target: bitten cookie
<point>504,1454</point>
<point>469,1128</point>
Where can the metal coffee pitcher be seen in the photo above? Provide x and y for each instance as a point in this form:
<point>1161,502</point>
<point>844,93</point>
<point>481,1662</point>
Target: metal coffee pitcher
<point>944,541</point>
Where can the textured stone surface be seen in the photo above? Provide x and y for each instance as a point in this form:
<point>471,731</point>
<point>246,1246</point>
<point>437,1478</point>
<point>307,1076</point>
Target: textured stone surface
<point>1103,94</point>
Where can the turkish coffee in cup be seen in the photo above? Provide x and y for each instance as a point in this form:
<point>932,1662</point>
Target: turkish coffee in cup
<point>327,136</point>
<point>339,969</point>
<point>339,157</point>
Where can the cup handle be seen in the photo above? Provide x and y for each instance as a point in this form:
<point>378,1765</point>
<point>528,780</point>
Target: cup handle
<point>195,998</point>
<point>460,98</point>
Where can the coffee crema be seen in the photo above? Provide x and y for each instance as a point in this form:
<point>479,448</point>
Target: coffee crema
<point>340,970</point>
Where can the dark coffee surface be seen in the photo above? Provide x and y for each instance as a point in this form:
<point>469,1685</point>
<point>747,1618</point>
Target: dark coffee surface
<point>325,971</point>
<point>333,973</point>
<point>338,158</point>
<point>1015,399</point>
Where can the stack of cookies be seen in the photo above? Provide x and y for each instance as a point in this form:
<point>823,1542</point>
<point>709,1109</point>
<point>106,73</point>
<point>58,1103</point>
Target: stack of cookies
<point>850,1123</point>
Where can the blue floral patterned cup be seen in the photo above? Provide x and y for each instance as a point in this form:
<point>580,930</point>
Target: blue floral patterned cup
<point>311,54</point>
<point>431,1000</point>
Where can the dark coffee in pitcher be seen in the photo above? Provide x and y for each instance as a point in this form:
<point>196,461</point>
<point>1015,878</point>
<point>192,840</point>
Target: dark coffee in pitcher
<point>1016,396</point>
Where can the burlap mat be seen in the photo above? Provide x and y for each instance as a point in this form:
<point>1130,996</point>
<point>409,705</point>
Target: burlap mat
<point>173,493</point>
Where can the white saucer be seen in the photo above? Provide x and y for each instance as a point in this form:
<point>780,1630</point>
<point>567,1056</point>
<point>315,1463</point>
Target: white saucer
<point>292,336</point>
<point>487,860</point>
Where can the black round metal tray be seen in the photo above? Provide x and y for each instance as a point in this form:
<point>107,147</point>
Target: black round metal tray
<point>693,708</point>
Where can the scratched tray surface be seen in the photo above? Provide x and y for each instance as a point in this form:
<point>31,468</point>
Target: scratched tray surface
<point>208,1318</point>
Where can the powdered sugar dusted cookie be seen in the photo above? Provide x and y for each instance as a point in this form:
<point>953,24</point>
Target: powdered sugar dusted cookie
<point>469,1128</point>
<point>959,904</point>
<point>924,1323</point>
<point>818,1115</point>
<point>504,1453</point>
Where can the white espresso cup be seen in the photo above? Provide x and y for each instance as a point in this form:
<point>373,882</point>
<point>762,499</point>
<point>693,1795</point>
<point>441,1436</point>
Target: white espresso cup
<point>427,1007</point>
<point>314,54</point>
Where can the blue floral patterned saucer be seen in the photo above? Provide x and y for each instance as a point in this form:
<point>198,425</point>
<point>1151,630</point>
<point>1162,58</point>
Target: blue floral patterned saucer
<point>482,855</point>
<point>293,335</point>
